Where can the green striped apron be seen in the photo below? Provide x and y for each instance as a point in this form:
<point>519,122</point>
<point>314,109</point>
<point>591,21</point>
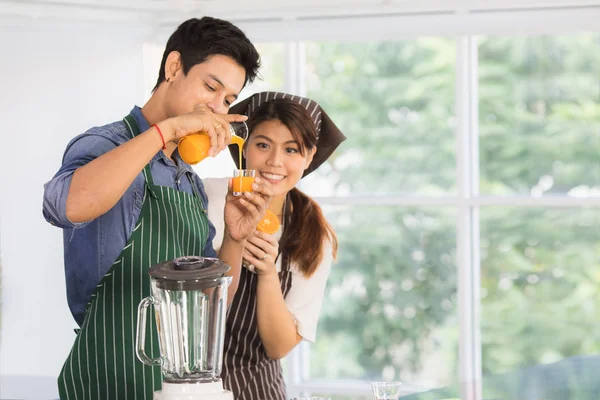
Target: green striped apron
<point>102,364</point>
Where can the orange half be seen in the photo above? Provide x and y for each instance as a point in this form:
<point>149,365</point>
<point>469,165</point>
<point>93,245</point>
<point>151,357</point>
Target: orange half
<point>269,224</point>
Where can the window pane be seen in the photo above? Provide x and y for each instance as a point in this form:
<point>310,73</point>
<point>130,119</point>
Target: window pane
<point>270,76</point>
<point>390,306</point>
<point>539,114</point>
<point>540,276</point>
<point>395,103</point>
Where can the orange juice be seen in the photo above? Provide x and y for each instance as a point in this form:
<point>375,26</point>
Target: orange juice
<point>240,143</point>
<point>242,184</point>
<point>269,224</point>
<point>194,147</point>
<point>235,139</point>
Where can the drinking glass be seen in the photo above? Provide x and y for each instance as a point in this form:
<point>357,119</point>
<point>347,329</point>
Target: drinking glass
<point>386,390</point>
<point>243,180</point>
<point>311,398</point>
<point>238,130</point>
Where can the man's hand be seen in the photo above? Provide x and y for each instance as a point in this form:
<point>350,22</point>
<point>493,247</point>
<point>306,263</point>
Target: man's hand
<point>202,119</point>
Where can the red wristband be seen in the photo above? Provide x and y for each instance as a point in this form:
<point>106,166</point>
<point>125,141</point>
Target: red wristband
<point>161,136</point>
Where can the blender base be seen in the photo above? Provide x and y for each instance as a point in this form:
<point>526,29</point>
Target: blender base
<point>193,391</point>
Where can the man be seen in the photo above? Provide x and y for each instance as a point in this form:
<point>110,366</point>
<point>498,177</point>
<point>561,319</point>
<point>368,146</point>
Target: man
<point>126,201</point>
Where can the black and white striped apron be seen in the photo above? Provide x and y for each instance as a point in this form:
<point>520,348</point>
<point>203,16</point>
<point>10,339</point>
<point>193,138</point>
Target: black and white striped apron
<point>247,371</point>
<point>102,364</point>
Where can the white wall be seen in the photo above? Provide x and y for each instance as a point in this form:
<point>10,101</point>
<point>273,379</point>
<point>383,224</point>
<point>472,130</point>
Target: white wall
<point>56,80</point>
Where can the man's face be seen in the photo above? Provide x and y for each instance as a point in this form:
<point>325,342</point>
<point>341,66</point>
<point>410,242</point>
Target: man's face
<point>215,83</point>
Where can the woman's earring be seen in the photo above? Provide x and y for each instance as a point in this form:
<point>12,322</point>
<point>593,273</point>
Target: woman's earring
<point>168,79</point>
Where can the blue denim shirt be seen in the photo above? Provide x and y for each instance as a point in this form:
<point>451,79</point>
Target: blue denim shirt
<point>91,247</point>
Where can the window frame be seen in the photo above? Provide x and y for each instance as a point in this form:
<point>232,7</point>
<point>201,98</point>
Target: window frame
<point>467,201</point>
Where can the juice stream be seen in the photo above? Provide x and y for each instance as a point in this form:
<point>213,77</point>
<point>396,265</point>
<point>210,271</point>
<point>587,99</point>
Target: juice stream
<point>240,144</point>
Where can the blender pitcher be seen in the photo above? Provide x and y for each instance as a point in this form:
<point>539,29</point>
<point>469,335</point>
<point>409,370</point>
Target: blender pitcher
<point>189,296</point>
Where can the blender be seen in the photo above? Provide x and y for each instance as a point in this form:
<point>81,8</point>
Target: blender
<point>189,296</point>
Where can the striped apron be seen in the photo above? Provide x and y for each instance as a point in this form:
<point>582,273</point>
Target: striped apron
<point>102,364</point>
<point>247,371</point>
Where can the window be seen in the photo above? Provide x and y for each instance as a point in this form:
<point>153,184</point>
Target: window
<point>539,136</point>
<point>504,208</point>
<point>390,307</point>
<point>395,102</point>
<point>539,295</point>
<point>539,115</point>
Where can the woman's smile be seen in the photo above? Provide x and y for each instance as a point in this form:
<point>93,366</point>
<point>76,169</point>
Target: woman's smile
<point>271,177</point>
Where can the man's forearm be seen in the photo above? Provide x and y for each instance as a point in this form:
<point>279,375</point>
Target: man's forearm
<point>97,186</point>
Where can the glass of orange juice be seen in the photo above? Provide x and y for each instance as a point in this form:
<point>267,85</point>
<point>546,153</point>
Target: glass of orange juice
<point>243,180</point>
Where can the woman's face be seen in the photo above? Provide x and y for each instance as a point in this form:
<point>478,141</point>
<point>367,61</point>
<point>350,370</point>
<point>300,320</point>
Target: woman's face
<point>272,151</point>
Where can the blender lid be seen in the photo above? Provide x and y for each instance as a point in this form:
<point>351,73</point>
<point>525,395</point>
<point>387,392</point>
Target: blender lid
<point>189,273</point>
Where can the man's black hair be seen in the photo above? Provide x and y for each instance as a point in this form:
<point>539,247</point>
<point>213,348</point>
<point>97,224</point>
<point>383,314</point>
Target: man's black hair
<point>198,39</point>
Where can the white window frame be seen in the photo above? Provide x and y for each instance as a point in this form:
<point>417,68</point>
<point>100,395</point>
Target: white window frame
<point>467,202</point>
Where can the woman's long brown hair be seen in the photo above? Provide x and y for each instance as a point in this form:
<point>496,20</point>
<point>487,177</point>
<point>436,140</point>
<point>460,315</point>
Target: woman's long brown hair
<point>306,230</point>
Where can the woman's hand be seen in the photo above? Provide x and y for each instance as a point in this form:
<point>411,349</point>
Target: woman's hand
<point>202,119</point>
<point>243,213</point>
<point>261,251</point>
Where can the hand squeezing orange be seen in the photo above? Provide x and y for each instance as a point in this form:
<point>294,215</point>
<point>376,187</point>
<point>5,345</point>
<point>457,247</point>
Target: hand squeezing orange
<point>269,224</point>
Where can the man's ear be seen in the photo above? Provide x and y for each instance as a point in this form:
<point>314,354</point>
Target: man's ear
<point>172,66</point>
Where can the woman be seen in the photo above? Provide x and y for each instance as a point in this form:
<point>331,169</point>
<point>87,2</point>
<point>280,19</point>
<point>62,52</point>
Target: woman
<point>280,294</point>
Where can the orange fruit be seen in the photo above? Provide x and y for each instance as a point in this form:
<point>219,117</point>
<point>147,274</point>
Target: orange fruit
<point>194,148</point>
<point>269,224</point>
